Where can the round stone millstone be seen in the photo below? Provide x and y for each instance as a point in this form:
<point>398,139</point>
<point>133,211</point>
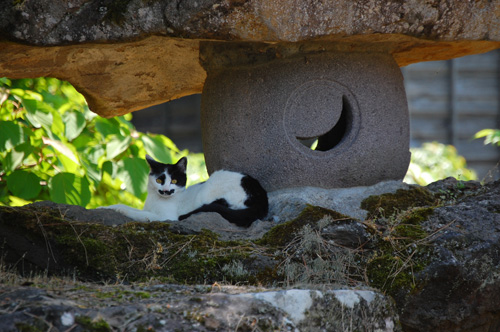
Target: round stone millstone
<point>259,119</point>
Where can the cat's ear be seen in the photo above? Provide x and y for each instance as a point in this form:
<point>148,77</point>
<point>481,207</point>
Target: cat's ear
<point>155,166</point>
<point>150,160</point>
<point>182,164</point>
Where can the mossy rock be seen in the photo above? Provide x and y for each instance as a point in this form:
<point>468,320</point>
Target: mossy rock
<point>43,240</point>
<point>88,324</point>
<point>386,205</point>
<point>401,253</point>
<point>282,234</point>
<point>145,251</point>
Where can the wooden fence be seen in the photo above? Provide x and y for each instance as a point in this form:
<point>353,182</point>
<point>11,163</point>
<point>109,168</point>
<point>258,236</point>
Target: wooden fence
<point>450,101</point>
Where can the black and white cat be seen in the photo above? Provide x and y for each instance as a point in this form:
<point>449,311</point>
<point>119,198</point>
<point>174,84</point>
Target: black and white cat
<point>237,197</point>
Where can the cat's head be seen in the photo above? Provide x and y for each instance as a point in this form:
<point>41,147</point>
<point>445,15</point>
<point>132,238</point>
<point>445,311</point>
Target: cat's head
<point>166,179</point>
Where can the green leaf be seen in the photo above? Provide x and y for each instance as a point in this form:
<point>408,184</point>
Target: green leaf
<point>18,92</point>
<point>12,160</point>
<point>73,95</point>
<point>68,188</point>
<point>491,136</point>
<point>117,145</point>
<point>56,130</point>
<point>16,201</point>
<point>24,184</point>
<point>134,172</point>
<point>5,81</point>
<point>110,168</point>
<point>74,124</point>
<point>11,134</point>
<point>92,171</point>
<point>15,157</point>
<point>94,153</point>
<point>65,150</point>
<point>159,147</point>
<point>37,114</point>
<point>83,141</point>
<point>107,127</point>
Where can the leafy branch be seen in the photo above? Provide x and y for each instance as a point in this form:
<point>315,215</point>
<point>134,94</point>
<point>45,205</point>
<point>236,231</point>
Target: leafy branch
<point>52,147</point>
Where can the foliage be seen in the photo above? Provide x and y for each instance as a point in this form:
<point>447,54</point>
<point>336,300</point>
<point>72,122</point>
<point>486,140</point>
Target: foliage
<point>435,161</point>
<point>52,147</point>
<point>491,136</point>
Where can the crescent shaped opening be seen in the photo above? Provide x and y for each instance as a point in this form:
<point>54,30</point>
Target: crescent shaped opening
<point>335,135</point>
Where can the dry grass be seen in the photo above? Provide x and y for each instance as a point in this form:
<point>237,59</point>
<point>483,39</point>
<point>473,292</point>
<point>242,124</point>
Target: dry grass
<point>312,261</point>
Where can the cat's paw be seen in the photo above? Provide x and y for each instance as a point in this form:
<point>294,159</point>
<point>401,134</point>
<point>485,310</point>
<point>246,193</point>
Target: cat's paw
<point>112,207</point>
<point>132,213</point>
<point>122,209</point>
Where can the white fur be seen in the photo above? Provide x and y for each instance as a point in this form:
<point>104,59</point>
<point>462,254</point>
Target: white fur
<point>160,207</point>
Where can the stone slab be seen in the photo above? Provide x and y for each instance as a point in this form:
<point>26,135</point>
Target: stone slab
<point>194,308</point>
<point>103,46</point>
<point>287,204</point>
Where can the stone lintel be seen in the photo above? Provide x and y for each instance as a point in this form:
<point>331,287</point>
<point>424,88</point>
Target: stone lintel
<point>122,77</point>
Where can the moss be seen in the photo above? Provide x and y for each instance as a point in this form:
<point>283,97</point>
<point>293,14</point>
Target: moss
<point>409,227</point>
<point>133,251</point>
<point>88,325</point>
<point>24,327</point>
<point>401,253</point>
<point>388,274</point>
<point>116,11</point>
<point>120,294</point>
<point>284,233</point>
<point>91,255</point>
<point>200,257</point>
<point>146,251</point>
<point>142,328</point>
<point>389,204</point>
<point>418,215</point>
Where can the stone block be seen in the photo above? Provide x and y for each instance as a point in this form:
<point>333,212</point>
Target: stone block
<point>260,118</point>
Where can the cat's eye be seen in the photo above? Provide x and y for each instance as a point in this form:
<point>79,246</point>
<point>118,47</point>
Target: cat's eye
<point>158,180</point>
<point>174,181</point>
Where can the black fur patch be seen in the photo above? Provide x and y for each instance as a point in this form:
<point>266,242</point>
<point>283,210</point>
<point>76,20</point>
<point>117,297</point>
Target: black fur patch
<point>257,205</point>
<point>257,196</point>
<point>155,166</point>
<point>177,174</point>
<point>162,177</point>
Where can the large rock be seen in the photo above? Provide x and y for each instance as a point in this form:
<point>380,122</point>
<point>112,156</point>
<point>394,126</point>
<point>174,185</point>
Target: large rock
<point>203,308</point>
<point>458,290</point>
<point>130,74</point>
<point>435,251</point>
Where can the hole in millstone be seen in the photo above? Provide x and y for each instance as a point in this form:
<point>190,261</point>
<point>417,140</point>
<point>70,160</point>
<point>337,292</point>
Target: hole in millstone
<point>335,135</point>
